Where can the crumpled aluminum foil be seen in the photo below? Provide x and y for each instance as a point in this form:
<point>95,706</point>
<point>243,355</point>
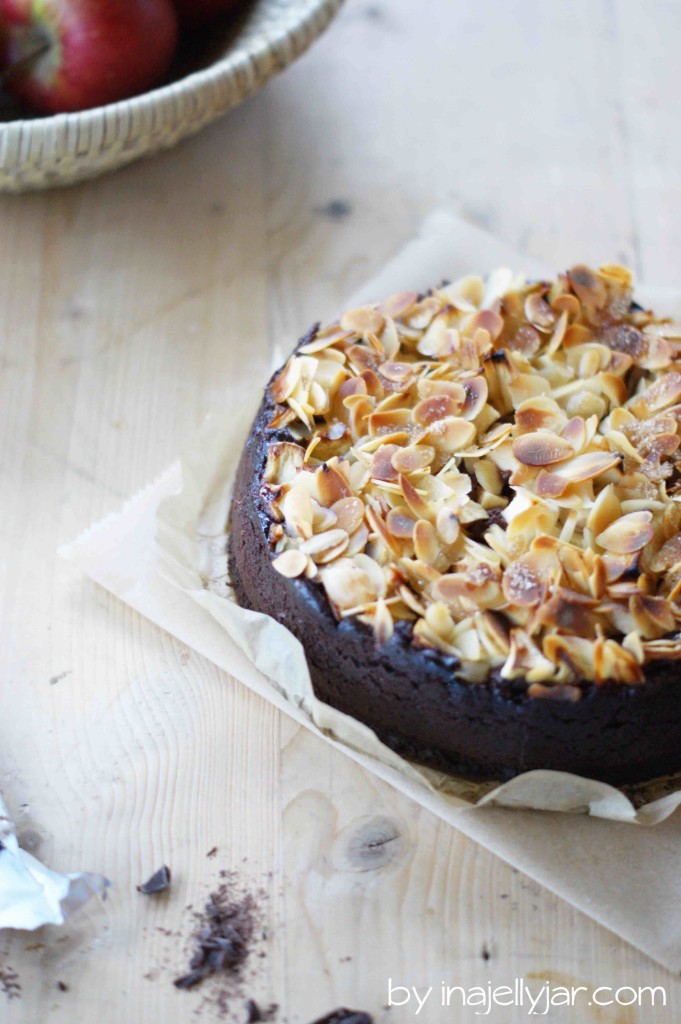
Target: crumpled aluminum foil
<point>30,894</point>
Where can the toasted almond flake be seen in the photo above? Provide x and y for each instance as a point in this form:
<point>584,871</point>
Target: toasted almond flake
<point>418,505</point>
<point>400,523</point>
<point>382,466</point>
<point>588,287</point>
<point>467,294</point>
<point>426,546</point>
<point>541,448</point>
<point>398,305</point>
<point>522,585</point>
<point>291,563</point>
<point>587,466</point>
<point>349,513</point>
<point>284,462</point>
<point>627,534</point>
<point>538,312</point>
<point>364,320</point>
<point>331,485</point>
<point>398,373</point>
<point>669,555</point>
<point>451,434</point>
<point>559,691</point>
<point>413,459</point>
<point>477,392</point>
<point>448,525</point>
<point>429,410</point>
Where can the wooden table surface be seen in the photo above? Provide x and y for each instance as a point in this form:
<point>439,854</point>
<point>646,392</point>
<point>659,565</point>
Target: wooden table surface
<point>132,305</point>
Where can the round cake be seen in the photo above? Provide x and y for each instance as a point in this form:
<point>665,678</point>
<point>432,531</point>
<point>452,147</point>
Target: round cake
<point>467,507</point>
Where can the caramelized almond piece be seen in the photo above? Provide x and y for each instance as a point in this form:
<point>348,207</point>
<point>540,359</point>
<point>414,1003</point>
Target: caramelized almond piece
<point>398,373</point>
<point>628,533</point>
<point>668,556</point>
<point>331,485</point>
<point>325,546</point>
<point>451,434</point>
<point>418,505</point>
<point>413,459</point>
<point>426,545</point>
<point>400,523</point>
<point>521,584</point>
<point>382,467</point>
<point>538,312</point>
<point>349,513</point>
<point>284,461</point>
<point>541,449</point>
<point>448,525</point>
<point>398,305</point>
<point>429,410</point>
<point>363,320</point>
<point>477,392</point>
<point>291,563</point>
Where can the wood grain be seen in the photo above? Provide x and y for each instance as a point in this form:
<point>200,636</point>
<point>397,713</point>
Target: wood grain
<point>131,306</point>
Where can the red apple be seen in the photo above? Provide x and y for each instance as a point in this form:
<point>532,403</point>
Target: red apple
<point>73,54</point>
<point>195,13</point>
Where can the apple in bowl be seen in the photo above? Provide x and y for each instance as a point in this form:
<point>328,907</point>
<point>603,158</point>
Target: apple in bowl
<point>65,55</point>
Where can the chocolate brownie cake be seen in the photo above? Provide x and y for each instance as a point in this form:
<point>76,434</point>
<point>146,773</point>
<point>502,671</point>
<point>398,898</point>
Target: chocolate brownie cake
<point>467,507</point>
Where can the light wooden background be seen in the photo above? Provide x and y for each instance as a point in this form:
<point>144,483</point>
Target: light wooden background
<point>129,307</point>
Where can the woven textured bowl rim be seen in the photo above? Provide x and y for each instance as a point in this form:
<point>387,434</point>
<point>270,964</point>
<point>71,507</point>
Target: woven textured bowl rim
<point>62,149</point>
<point>223,68</point>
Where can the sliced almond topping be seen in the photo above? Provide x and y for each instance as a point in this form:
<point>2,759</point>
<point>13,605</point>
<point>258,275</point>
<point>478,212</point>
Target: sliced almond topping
<point>627,534</point>
<point>426,545</point>
<point>382,466</point>
<point>349,513</point>
<point>422,417</point>
<point>412,459</point>
<point>324,547</point>
<point>290,563</point>
<point>669,555</point>
<point>429,410</point>
<point>448,525</point>
<point>284,462</point>
<point>477,392</point>
<point>363,320</point>
<point>400,523</point>
<point>418,505</point>
<point>451,434</point>
<point>399,373</point>
<point>541,448</point>
<point>331,485</point>
<point>538,312</point>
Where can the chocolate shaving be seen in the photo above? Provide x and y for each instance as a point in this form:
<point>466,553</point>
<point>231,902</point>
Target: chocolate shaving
<point>159,882</point>
<point>344,1016</point>
<point>222,942</point>
<point>255,1014</point>
<point>9,982</point>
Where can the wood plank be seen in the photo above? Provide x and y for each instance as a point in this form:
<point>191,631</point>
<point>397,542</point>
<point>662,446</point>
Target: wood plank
<point>132,305</point>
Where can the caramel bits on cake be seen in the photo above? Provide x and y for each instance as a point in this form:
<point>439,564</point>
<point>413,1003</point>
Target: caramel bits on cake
<point>496,463</point>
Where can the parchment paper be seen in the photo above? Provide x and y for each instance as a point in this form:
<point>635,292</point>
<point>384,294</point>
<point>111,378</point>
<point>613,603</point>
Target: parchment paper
<point>179,579</point>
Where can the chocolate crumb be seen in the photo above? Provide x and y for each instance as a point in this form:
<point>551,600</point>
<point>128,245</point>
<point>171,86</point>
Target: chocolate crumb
<point>226,930</point>
<point>255,1014</point>
<point>212,852</point>
<point>9,982</point>
<point>158,882</point>
<point>62,986</point>
<point>485,953</point>
<point>344,1016</point>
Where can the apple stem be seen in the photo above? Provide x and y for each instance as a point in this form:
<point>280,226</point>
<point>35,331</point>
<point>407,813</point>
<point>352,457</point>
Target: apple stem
<point>25,63</point>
